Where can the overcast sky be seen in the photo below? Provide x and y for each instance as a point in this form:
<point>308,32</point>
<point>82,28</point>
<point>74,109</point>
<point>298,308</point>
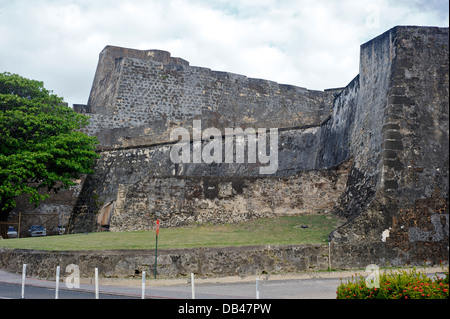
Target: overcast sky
<point>309,43</point>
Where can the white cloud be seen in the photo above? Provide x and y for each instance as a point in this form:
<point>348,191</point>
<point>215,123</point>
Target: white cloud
<point>309,43</point>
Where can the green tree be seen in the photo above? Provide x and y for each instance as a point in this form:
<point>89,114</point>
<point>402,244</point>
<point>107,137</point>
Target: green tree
<point>41,146</point>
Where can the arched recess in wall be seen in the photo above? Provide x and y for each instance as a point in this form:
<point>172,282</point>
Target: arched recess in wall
<point>104,215</point>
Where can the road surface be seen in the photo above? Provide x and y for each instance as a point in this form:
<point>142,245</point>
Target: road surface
<point>321,285</point>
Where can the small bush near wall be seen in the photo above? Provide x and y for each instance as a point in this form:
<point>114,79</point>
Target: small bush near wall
<point>404,284</point>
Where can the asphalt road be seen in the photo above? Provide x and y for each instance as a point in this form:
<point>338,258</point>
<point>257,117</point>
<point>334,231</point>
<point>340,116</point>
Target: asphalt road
<point>10,287</point>
<point>315,286</point>
<point>280,297</point>
<point>14,291</point>
<point>309,289</point>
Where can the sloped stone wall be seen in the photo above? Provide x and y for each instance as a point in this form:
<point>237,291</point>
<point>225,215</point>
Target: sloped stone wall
<point>402,217</point>
<point>212,199</point>
<point>203,262</point>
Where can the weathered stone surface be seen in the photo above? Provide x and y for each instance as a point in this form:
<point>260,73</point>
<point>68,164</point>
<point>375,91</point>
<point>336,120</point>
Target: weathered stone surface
<point>203,262</point>
<point>215,200</point>
<point>406,166</point>
<point>137,99</point>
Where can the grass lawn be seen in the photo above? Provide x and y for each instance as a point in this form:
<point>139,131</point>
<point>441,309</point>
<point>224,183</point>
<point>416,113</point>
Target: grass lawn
<point>264,231</point>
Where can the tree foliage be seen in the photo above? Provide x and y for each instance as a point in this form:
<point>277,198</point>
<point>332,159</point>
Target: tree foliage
<point>41,146</point>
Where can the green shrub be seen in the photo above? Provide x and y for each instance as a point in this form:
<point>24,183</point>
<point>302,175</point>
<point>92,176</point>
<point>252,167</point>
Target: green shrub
<point>404,284</point>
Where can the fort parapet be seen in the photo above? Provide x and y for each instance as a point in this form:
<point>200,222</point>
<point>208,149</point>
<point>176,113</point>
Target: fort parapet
<point>138,96</point>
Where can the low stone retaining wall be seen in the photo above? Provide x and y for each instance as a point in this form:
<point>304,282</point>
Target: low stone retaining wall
<point>172,263</point>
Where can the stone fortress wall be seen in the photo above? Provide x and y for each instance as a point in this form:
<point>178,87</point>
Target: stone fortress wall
<point>149,98</point>
<point>375,152</point>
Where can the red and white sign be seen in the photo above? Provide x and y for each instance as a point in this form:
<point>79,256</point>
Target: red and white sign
<point>157,227</point>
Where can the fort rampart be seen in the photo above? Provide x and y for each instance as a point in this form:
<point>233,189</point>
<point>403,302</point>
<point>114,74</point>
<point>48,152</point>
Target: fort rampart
<point>374,152</point>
